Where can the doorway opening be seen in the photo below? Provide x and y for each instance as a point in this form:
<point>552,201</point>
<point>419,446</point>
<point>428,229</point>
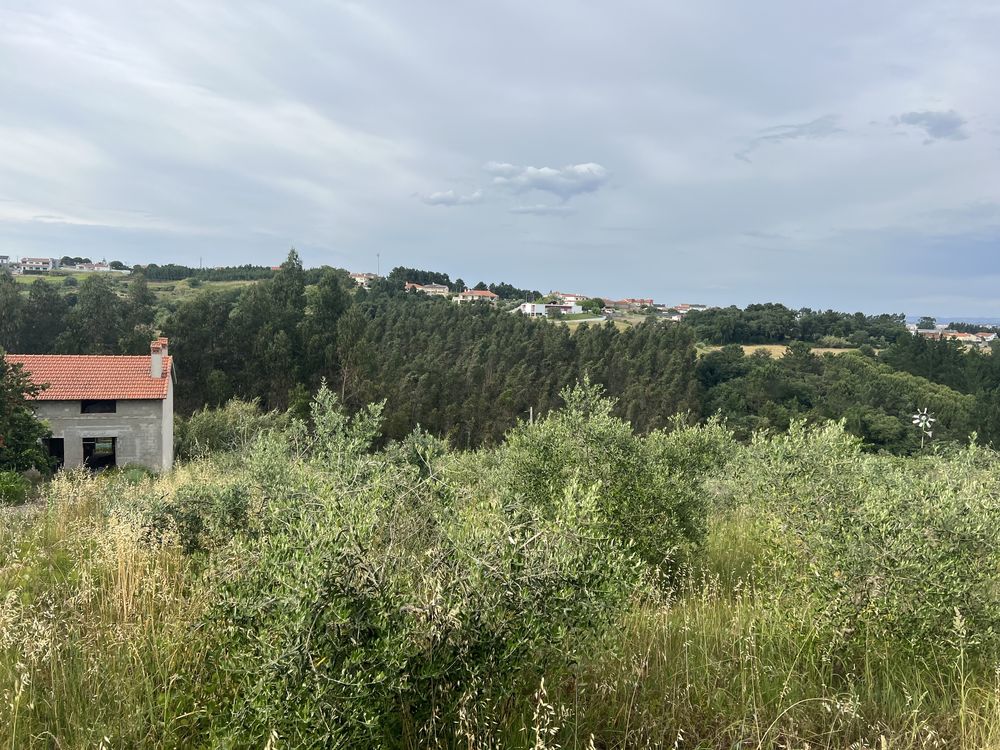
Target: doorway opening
<point>56,448</point>
<point>99,453</point>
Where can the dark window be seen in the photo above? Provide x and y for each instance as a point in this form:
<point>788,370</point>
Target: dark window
<point>99,453</point>
<point>98,407</point>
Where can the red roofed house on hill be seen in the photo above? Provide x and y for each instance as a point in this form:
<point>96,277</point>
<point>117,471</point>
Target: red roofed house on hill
<point>476,295</point>
<point>106,410</point>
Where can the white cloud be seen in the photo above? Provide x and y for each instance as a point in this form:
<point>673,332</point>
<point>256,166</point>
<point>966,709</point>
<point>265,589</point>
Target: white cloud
<point>451,198</point>
<point>565,182</point>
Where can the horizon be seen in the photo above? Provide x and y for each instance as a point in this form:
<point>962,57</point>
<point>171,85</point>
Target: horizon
<point>693,152</point>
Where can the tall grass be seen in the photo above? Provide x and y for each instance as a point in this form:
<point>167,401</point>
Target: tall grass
<point>724,665</point>
<point>95,626</point>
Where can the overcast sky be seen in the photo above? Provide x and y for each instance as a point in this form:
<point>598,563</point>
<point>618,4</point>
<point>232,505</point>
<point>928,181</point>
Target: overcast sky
<point>840,155</point>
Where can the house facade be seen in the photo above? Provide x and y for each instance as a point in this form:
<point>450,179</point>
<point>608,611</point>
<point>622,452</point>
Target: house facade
<point>106,411</point>
<point>477,295</point>
<point>363,279</point>
<point>436,290</point>
<point>39,264</point>
<point>547,309</point>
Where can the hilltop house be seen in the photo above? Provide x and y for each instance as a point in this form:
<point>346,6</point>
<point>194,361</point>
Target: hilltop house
<point>437,290</point>
<point>364,279</point>
<point>477,295</point>
<point>547,309</point>
<point>106,411</point>
<point>569,299</point>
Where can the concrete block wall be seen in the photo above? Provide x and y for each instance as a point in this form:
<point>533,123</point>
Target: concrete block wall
<point>138,426</point>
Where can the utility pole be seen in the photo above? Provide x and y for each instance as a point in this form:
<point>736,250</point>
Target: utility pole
<point>378,264</point>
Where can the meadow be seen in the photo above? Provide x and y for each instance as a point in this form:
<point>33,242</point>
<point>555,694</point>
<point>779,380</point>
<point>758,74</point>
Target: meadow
<point>301,584</point>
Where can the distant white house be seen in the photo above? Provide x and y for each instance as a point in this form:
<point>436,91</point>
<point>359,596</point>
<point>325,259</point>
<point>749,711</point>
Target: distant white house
<point>547,310</point>
<point>532,309</point>
<point>364,279</point>
<point>684,308</point>
<point>101,267</point>
<point>39,264</point>
<point>567,298</point>
<point>436,290</point>
<point>477,295</point>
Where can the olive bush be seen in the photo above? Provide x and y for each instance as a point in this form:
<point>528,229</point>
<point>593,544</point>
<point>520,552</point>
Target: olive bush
<point>649,490</point>
<point>886,549</point>
<point>230,427</point>
<point>381,604</point>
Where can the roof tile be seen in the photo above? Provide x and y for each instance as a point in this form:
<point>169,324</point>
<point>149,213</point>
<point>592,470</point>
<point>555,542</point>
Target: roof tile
<point>73,377</point>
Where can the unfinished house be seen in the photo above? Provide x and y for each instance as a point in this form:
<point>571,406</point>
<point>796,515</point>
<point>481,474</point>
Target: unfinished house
<point>106,411</point>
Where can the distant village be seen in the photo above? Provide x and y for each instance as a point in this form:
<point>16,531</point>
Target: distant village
<point>45,265</point>
<point>554,304</point>
<point>941,331</point>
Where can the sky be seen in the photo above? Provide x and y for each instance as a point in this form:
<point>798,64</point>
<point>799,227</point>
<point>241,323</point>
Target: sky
<point>842,155</point>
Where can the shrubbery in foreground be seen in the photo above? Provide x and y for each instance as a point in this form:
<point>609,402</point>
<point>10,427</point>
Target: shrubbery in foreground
<point>577,586</point>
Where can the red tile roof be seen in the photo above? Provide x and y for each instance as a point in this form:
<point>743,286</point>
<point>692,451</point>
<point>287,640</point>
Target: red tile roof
<point>73,377</point>
<point>479,293</point>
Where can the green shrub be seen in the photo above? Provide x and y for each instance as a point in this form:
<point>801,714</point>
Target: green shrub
<point>888,550</point>
<point>231,427</point>
<point>14,489</point>
<point>649,490</point>
<point>380,606</point>
<point>833,342</point>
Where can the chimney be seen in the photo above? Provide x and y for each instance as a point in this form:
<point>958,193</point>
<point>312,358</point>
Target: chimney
<point>163,345</point>
<point>156,360</point>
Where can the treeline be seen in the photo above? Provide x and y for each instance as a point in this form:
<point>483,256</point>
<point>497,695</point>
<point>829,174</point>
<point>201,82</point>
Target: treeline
<point>773,323</point>
<point>174,272</point>
<point>95,319</point>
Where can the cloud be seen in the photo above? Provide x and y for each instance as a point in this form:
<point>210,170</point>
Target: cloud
<point>451,198</point>
<point>937,125</point>
<point>543,209</point>
<point>821,127</point>
<point>564,182</point>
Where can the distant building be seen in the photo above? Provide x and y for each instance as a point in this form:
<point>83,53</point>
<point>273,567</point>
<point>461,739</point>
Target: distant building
<point>106,411</point>
<point>684,308</point>
<point>532,309</point>
<point>547,309</point>
<point>477,295</point>
<point>567,298</point>
<point>364,279</point>
<point>98,268</point>
<point>436,290</point>
<point>37,265</point>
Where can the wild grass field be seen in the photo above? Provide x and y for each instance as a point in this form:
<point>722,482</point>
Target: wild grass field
<point>294,584</point>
